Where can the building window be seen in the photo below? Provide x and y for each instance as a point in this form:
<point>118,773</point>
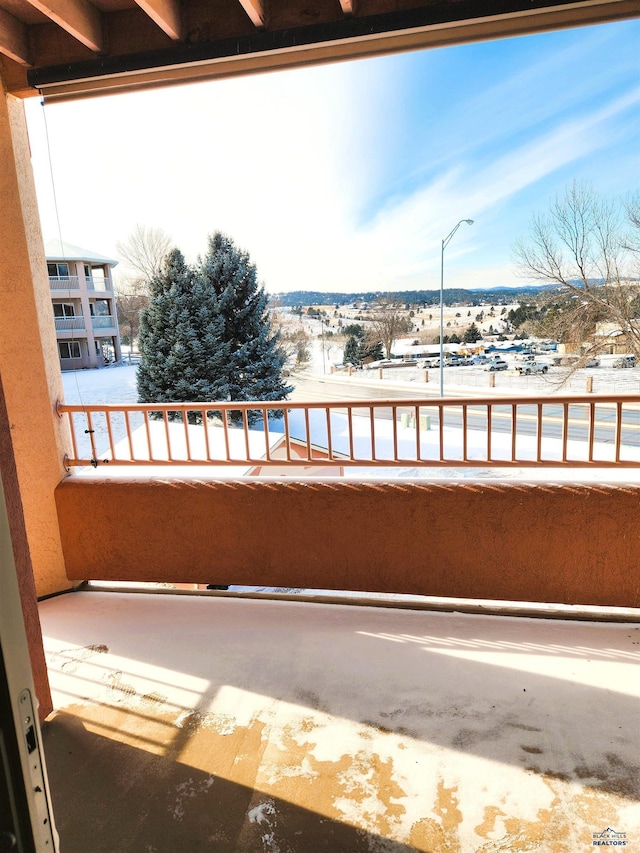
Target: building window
<point>69,349</point>
<point>100,308</point>
<point>58,270</point>
<point>63,309</point>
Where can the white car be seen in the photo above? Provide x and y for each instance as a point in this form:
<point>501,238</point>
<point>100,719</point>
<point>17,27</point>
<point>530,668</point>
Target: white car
<point>496,364</point>
<point>528,367</point>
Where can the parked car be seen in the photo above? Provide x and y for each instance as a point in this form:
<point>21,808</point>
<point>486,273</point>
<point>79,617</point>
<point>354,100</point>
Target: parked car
<point>593,362</point>
<point>625,361</point>
<point>496,364</point>
<point>528,367</point>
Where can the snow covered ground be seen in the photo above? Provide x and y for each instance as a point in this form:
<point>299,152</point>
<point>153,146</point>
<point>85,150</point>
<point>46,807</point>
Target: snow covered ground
<point>115,384</point>
<point>118,385</point>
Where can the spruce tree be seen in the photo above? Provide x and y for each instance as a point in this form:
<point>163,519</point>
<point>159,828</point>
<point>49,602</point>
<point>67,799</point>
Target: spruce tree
<point>370,349</point>
<point>472,334</point>
<point>351,351</point>
<point>205,336</point>
<point>252,367</point>
<point>179,339</point>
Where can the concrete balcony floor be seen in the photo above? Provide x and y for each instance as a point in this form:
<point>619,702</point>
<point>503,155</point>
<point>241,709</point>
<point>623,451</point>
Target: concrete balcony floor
<point>212,723</point>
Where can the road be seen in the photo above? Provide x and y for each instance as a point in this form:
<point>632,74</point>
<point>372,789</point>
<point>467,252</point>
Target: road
<point>326,389</point>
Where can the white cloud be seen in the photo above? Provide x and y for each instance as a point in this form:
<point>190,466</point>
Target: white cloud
<point>285,162</point>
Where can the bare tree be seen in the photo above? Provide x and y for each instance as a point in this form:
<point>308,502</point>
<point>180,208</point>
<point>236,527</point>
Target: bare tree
<point>144,250</point>
<point>632,207</point>
<point>585,244</point>
<point>294,340</point>
<point>132,296</point>
<point>387,323</point>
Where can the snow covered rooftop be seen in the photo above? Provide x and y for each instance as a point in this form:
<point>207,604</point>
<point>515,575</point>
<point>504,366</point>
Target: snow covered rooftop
<point>56,250</point>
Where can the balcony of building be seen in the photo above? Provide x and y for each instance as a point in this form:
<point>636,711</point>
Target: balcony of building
<point>104,321</point>
<point>399,664</point>
<point>70,324</point>
<point>245,722</point>
<point>64,282</point>
<point>99,284</point>
<point>202,721</point>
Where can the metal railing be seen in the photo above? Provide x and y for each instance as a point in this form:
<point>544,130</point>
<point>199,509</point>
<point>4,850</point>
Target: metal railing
<point>65,324</point>
<point>103,321</point>
<point>72,282</point>
<point>101,283</point>
<point>64,282</point>
<point>560,431</point>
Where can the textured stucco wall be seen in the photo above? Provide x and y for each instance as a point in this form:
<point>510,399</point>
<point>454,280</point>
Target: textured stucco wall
<point>35,442</point>
<point>571,543</point>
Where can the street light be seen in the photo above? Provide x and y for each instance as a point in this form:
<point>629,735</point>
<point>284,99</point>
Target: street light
<point>445,243</point>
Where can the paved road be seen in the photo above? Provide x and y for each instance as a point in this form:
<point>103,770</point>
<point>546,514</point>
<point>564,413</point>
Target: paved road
<point>315,389</point>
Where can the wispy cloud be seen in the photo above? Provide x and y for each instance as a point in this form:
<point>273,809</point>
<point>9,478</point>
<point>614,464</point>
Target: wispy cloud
<point>336,178</point>
<point>400,243</point>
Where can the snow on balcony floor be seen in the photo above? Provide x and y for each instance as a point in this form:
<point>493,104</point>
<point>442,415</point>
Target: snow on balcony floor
<point>191,723</point>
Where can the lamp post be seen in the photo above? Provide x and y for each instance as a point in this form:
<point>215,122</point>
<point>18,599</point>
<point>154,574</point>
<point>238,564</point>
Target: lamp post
<point>322,342</point>
<point>445,243</point>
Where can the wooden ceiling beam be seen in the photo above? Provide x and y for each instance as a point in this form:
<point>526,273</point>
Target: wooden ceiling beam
<point>13,39</point>
<point>78,17</point>
<point>164,13</point>
<point>62,75</point>
<point>255,11</point>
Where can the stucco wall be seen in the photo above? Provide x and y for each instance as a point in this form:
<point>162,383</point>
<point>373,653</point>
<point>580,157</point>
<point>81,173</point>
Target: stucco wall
<point>34,443</point>
<point>573,544</point>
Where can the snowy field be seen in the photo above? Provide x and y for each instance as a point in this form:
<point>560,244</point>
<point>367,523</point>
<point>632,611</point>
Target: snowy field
<point>115,384</point>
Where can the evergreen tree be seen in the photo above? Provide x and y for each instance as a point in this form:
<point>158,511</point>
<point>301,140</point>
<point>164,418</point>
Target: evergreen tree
<point>351,350</point>
<point>179,334</point>
<point>254,360</point>
<point>370,349</point>
<point>206,334</point>
<point>472,334</point>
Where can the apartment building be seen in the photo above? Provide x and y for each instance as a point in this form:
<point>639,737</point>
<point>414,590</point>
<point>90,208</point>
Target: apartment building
<point>84,306</point>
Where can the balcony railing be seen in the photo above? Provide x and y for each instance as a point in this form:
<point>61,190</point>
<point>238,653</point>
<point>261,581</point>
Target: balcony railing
<point>64,282</point>
<point>65,324</point>
<point>106,321</point>
<point>102,283</point>
<point>580,432</point>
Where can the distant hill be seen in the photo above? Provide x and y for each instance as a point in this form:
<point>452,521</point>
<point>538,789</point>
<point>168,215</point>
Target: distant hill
<point>493,295</point>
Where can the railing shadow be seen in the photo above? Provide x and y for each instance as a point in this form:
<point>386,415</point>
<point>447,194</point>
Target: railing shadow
<point>112,797</point>
<point>556,700</point>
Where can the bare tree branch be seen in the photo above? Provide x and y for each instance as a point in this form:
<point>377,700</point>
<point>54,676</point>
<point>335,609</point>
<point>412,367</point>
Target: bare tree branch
<point>586,244</point>
<point>131,297</point>
<point>144,250</point>
<point>387,324</point>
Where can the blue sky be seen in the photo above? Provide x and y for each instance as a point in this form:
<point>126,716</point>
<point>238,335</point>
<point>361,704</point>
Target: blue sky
<point>347,177</point>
